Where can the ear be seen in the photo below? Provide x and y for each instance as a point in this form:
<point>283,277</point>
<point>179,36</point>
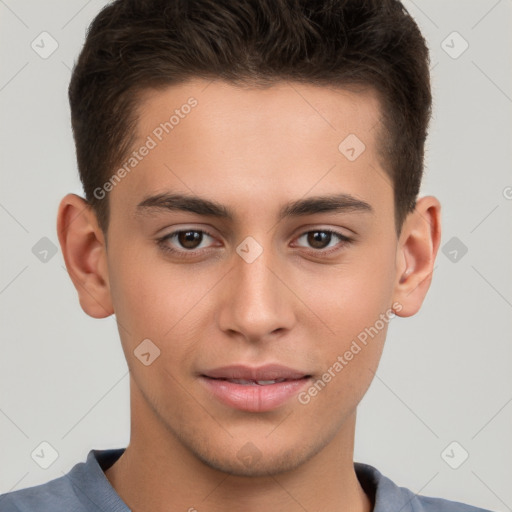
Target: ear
<point>416,254</point>
<point>84,249</point>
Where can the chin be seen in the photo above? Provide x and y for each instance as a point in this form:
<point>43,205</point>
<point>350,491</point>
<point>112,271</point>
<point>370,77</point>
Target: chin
<point>258,465</point>
<point>241,457</point>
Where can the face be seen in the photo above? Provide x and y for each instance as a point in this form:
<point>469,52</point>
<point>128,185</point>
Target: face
<point>269,308</point>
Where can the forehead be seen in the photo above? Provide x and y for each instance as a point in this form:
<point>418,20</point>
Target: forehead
<point>215,139</point>
<point>291,109</point>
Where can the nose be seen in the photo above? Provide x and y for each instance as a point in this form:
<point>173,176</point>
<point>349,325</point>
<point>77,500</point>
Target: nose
<point>256,301</point>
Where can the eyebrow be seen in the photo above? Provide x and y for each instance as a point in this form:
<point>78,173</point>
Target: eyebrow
<point>337,203</point>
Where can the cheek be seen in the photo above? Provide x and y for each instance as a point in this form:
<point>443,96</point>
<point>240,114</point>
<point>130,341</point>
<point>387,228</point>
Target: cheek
<point>155,299</point>
<point>351,296</point>
<point>153,303</point>
<point>140,294</point>
<point>348,370</point>
<point>353,301</point>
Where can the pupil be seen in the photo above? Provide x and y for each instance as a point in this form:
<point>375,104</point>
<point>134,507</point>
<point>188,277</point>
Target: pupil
<point>189,239</point>
<point>317,239</point>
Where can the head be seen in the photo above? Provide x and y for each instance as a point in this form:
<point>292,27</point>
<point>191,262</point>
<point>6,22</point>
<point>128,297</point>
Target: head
<point>262,108</point>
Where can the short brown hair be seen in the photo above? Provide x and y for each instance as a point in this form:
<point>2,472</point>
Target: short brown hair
<point>136,45</point>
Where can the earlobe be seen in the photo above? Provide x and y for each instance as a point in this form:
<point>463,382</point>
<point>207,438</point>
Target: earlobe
<point>83,247</point>
<point>417,250</point>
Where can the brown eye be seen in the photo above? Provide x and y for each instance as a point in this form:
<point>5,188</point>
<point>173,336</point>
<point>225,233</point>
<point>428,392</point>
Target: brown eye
<point>321,239</point>
<point>189,239</point>
<point>185,242</point>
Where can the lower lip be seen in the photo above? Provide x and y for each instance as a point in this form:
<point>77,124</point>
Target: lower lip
<point>254,398</point>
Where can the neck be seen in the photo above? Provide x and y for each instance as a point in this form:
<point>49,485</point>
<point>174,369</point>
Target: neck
<point>157,473</point>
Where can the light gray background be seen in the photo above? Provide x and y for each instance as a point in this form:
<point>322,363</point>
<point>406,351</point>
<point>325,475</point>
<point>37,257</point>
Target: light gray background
<point>445,374</point>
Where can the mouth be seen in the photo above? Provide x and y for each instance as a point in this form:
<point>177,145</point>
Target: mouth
<point>245,382</point>
<point>266,373</point>
<point>258,382</point>
<point>254,389</point>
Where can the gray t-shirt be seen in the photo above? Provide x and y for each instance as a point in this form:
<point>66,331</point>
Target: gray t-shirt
<point>85,488</point>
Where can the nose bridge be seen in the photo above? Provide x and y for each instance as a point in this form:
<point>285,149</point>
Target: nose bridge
<point>257,302</point>
<point>256,281</point>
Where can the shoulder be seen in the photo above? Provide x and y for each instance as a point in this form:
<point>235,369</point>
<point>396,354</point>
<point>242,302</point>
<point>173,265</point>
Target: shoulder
<point>389,496</point>
<point>56,495</point>
<point>428,504</point>
<point>83,489</point>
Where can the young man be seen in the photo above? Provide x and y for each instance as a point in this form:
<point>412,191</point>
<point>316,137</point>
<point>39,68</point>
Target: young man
<point>251,171</point>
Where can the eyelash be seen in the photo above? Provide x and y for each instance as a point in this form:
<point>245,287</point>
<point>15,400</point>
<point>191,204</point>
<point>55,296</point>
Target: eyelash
<point>194,253</point>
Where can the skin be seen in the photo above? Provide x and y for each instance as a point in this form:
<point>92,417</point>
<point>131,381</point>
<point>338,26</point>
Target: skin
<point>252,150</point>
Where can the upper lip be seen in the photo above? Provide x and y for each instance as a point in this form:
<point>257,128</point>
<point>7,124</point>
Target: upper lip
<point>267,372</point>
